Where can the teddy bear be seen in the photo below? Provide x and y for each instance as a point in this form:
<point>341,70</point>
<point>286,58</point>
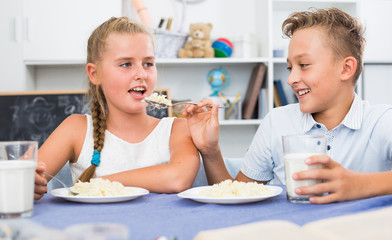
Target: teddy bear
<point>199,46</point>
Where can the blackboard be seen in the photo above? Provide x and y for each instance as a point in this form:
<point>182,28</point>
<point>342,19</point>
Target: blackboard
<point>35,115</point>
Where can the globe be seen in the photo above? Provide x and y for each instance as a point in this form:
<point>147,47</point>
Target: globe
<point>218,79</point>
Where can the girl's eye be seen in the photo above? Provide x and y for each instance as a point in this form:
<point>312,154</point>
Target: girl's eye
<point>289,68</point>
<point>126,64</point>
<point>303,65</point>
<point>149,64</point>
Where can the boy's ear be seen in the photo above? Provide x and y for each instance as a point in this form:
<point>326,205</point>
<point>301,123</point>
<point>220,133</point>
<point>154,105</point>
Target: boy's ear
<point>91,70</point>
<point>349,68</point>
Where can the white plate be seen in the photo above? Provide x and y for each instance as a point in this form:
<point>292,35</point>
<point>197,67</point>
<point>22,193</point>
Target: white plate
<point>193,192</point>
<point>63,193</point>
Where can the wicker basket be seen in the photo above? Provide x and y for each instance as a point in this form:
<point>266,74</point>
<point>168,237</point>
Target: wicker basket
<point>167,44</point>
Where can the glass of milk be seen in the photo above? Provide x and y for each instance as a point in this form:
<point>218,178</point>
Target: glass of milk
<point>296,148</point>
<point>18,160</point>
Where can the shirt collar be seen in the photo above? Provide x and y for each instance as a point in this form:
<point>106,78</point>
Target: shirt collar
<point>352,120</point>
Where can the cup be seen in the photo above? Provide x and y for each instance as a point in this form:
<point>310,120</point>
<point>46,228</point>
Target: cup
<point>18,160</point>
<point>97,231</point>
<point>296,148</point>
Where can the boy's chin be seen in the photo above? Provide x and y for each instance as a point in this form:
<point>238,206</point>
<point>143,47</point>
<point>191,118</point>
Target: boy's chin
<point>305,109</point>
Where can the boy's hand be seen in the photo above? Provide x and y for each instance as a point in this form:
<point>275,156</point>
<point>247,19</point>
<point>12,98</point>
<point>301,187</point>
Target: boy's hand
<point>203,124</point>
<point>40,187</point>
<point>341,184</point>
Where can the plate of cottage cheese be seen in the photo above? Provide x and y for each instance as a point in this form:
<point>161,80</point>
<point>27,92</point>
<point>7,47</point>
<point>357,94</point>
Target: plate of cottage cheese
<point>231,192</point>
<point>99,190</point>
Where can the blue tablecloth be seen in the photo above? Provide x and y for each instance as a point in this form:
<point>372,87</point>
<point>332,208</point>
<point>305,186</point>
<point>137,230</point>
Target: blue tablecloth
<point>168,215</point>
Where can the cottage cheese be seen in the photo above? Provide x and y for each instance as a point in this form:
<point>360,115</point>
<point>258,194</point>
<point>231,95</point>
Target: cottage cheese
<point>155,97</point>
<point>229,188</point>
<point>98,187</point>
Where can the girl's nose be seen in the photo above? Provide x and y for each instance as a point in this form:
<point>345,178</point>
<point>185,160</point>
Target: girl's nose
<point>140,72</point>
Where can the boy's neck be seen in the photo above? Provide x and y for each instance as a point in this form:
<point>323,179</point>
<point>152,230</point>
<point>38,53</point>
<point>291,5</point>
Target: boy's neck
<point>331,118</point>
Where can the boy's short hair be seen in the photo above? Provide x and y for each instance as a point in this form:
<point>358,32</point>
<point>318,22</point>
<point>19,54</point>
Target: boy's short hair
<point>345,32</point>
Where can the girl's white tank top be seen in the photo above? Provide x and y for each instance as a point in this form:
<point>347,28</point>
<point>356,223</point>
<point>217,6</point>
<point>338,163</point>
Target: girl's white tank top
<point>118,155</point>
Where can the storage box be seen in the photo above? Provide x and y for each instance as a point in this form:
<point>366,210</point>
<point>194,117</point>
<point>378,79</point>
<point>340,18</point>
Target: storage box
<point>167,44</point>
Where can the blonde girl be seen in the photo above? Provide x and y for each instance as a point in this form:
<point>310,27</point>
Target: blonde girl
<point>119,141</point>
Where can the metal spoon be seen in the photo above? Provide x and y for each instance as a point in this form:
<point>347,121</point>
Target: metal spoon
<point>164,105</point>
<point>62,183</point>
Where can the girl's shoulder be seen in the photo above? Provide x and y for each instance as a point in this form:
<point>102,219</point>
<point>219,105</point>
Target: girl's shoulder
<point>75,120</point>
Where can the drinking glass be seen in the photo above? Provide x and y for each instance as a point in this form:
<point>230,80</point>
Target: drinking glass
<point>18,160</point>
<point>296,148</point>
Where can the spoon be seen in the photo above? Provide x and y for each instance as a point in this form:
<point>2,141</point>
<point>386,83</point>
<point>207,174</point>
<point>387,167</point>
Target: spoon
<point>165,105</point>
<point>62,183</point>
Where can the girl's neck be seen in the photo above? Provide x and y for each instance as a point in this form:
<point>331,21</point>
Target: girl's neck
<point>132,128</point>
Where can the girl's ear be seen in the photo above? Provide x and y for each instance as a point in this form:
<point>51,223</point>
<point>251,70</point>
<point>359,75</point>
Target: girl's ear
<point>91,70</point>
<point>349,68</point>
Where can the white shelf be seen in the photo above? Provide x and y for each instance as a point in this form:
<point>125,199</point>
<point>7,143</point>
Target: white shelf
<point>170,61</point>
<point>249,122</point>
<point>54,62</point>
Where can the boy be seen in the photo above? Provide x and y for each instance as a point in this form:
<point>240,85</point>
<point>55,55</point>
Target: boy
<point>325,61</point>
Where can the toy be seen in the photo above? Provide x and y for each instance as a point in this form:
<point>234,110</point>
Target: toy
<point>222,47</point>
<point>200,44</point>
<point>218,79</point>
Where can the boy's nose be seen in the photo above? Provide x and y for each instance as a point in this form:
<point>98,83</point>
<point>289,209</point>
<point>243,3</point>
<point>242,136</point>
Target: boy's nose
<point>293,78</point>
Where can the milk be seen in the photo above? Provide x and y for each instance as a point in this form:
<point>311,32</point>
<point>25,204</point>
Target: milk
<point>295,162</point>
<point>17,186</point>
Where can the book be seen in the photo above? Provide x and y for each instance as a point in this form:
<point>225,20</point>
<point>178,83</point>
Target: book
<point>277,101</point>
<point>366,225</point>
<point>281,92</point>
<point>263,103</point>
<point>253,90</point>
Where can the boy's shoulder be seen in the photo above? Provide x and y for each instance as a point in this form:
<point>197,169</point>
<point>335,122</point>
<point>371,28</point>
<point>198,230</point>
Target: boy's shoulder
<point>376,111</point>
<point>375,108</point>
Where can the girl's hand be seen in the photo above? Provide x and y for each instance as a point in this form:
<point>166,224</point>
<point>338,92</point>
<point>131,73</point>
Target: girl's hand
<point>341,184</point>
<point>203,124</point>
<point>40,187</point>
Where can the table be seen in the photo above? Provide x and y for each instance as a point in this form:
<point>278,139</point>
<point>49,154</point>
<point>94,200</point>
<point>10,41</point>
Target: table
<point>168,215</point>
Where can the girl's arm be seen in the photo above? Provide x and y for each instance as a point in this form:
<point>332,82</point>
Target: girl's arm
<point>62,145</point>
<point>176,176</point>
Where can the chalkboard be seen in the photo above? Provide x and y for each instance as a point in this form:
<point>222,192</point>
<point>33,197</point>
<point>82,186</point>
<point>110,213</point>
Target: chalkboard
<point>35,115</point>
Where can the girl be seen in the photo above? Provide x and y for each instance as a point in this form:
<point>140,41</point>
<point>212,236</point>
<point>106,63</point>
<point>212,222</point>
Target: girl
<point>119,141</point>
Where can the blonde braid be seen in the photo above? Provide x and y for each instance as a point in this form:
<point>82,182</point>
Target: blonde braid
<point>98,115</point>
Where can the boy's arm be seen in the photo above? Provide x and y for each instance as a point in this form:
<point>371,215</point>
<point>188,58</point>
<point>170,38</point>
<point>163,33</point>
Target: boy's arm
<point>342,184</point>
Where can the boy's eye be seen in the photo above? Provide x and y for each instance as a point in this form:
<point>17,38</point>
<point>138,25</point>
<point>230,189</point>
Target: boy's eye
<point>303,65</point>
<point>125,64</point>
<point>289,68</point>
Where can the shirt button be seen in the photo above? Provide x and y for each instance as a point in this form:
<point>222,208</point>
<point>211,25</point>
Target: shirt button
<point>328,147</point>
<point>318,125</point>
